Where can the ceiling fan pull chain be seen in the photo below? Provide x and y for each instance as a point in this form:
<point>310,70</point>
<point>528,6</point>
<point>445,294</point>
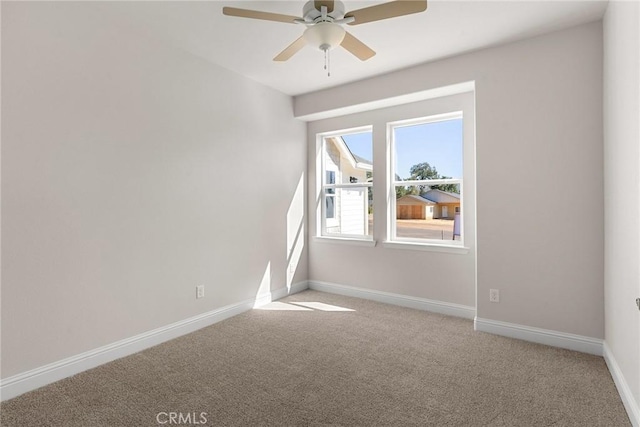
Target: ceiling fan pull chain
<point>326,62</point>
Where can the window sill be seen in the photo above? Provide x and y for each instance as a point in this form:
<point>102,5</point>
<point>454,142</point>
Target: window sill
<point>344,240</point>
<point>430,247</point>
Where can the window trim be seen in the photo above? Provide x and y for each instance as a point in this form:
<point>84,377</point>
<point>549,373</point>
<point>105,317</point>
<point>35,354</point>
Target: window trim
<point>393,241</point>
<point>375,118</point>
<point>421,246</point>
<point>321,225</point>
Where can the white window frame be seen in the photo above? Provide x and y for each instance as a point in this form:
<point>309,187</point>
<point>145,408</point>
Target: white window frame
<point>459,97</point>
<point>321,168</point>
<point>391,212</point>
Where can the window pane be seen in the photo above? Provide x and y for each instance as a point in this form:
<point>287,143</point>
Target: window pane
<point>429,150</point>
<point>330,210</point>
<point>350,213</point>
<point>330,179</point>
<point>433,214</point>
<point>361,147</point>
<point>346,159</point>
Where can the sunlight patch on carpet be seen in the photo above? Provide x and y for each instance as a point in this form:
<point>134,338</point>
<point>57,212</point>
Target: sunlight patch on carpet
<point>282,306</point>
<point>322,306</point>
<point>301,306</point>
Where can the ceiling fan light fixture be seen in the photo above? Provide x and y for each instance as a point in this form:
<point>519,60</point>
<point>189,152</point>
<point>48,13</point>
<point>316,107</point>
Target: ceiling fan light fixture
<point>324,35</point>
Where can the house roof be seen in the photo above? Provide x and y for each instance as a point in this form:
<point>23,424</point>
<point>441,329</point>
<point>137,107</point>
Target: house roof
<point>356,161</point>
<point>361,159</point>
<point>439,196</point>
<point>420,199</point>
<point>432,197</point>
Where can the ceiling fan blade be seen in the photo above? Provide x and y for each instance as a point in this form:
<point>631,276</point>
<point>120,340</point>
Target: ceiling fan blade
<point>356,47</point>
<point>319,3</point>
<point>256,14</point>
<point>387,10</point>
<point>291,50</point>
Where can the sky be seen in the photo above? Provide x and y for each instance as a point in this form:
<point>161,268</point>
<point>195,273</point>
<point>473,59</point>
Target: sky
<point>437,143</point>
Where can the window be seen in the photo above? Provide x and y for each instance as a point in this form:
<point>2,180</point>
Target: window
<point>346,169</point>
<point>426,198</point>
<point>426,175</point>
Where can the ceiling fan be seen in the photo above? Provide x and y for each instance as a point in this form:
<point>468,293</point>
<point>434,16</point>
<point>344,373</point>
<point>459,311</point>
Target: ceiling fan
<point>324,20</point>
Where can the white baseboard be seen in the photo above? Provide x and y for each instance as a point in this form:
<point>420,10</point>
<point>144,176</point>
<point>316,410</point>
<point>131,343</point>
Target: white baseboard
<point>440,307</point>
<point>630,404</point>
<point>21,383</point>
<point>540,336</point>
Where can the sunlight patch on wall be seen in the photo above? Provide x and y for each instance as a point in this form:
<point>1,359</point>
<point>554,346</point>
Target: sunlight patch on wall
<point>263,296</point>
<point>295,231</point>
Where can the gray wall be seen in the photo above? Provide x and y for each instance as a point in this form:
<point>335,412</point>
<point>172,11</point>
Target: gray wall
<point>132,172</point>
<point>622,188</point>
<point>539,178</point>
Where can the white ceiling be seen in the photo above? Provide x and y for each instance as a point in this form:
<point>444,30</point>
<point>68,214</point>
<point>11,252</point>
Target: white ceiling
<point>247,46</point>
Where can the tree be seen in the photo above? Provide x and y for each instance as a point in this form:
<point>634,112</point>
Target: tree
<point>450,188</point>
<point>403,191</point>
<point>426,171</point>
<point>423,171</point>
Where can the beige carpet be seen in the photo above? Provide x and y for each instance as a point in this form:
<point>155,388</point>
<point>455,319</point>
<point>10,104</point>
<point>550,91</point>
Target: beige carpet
<point>378,365</point>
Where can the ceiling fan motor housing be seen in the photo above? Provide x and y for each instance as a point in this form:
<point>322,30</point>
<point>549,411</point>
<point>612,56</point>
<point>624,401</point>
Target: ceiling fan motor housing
<point>311,14</point>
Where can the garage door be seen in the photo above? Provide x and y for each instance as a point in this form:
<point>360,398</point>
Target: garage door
<point>410,212</point>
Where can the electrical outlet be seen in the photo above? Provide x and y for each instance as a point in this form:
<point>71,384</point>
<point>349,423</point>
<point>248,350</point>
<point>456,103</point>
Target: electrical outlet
<point>494,295</point>
<point>200,291</point>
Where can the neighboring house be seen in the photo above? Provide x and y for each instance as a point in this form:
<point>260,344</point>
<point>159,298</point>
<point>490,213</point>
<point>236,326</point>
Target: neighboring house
<point>347,209</point>
<point>436,204</point>
<point>414,207</point>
